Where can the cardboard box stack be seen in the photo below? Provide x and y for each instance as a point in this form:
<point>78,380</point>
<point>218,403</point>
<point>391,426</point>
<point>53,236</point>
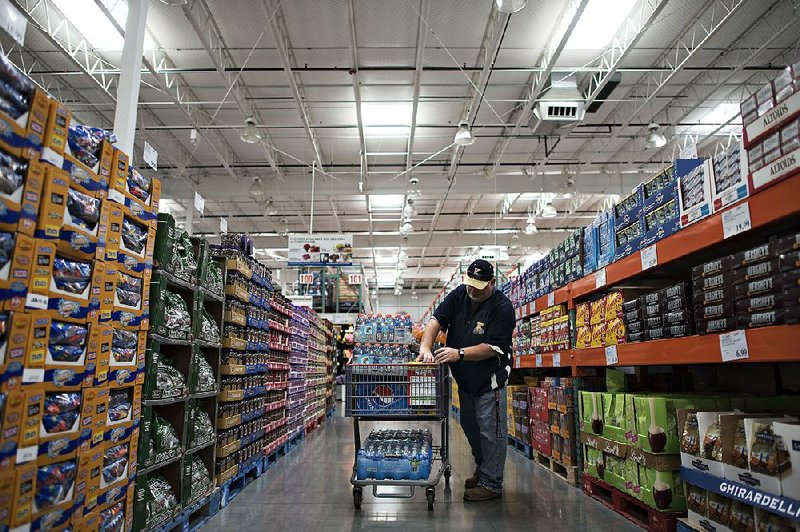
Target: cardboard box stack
<point>516,408</point>
<point>74,314</point>
<point>539,419</point>
<point>599,323</point>
<point>561,408</point>
<point>554,327</point>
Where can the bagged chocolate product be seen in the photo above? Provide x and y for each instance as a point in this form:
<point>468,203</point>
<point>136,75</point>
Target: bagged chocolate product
<point>134,236</point>
<point>12,172</point>
<point>14,77</point>
<point>764,454</point>
<point>61,402</point>
<point>712,442</point>
<point>742,517</point>
<point>169,380</point>
<point>162,498</point>
<point>214,282</point>
<point>183,262</point>
<point>654,322</point>
<point>719,508</point>
<point>769,522</point>
<point>139,184</point>
<point>15,103</point>
<point>177,317</point>
<point>203,427</point>
<point>68,334</point>
<point>164,436</point>
<point>201,478</point>
<point>6,247</point>
<point>206,382</point>
<point>71,276</point>
<point>210,329</point>
<point>84,210</point>
<point>690,440</point>
<point>53,483</point>
<point>85,142</point>
<point>119,404</point>
<point>112,519</point>
<point>697,499</point>
<point>123,345</point>
<point>115,463</point>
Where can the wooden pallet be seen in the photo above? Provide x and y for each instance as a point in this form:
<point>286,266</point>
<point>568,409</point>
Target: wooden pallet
<point>565,472</point>
<point>632,509</point>
<point>521,446</point>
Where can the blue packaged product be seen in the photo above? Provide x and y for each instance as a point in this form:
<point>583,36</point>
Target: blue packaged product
<point>55,423</point>
<point>66,353</point>
<point>12,96</point>
<point>134,236</point>
<point>13,76</point>
<point>85,210</point>
<point>12,171</point>
<point>58,403</point>
<point>71,275</point>
<point>53,483</point>
<point>119,405</point>
<point>9,108</point>
<point>138,184</point>
<point>68,334</point>
<point>113,519</point>
<point>6,247</point>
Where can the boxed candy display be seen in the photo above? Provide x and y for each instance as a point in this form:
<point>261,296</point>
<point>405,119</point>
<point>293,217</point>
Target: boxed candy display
<point>21,182</point>
<point>16,261</point>
<point>24,110</point>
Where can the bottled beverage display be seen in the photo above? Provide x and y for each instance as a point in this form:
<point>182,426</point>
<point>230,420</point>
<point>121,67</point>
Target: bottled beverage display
<point>384,329</point>
<point>396,454</point>
<point>382,354</point>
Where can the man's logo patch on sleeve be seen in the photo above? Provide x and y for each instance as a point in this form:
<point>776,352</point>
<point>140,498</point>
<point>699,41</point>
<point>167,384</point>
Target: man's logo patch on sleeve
<point>479,328</point>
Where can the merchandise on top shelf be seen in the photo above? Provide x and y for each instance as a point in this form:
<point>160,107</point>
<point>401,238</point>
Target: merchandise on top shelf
<point>24,112</point>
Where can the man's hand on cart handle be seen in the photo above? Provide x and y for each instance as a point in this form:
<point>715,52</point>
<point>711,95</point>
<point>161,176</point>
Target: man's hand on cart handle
<point>425,355</point>
<point>446,354</point>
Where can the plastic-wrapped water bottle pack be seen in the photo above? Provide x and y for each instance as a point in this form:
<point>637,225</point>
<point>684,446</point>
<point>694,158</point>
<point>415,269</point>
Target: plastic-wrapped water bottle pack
<point>400,454</point>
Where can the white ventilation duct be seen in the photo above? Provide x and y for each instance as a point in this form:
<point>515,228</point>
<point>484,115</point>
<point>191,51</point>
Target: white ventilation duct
<point>560,108</point>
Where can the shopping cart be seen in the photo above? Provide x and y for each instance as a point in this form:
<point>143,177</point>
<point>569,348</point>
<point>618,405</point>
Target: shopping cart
<point>399,392</point>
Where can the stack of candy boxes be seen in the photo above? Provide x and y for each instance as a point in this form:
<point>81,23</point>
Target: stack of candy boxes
<point>77,228</point>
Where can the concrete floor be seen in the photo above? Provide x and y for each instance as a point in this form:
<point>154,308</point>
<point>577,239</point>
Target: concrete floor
<point>310,490</point>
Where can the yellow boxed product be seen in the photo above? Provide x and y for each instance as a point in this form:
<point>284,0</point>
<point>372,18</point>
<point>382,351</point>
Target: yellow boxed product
<point>82,235</point>
<point>126,363</point>
<point>108,292</point>
<point>53,203</point>
<point>23,137</point>
<point>582,314</point>
<point>55,491</point>
<point>615,331</point>
<point>57,128</point>
<point>12,428</point>
<point>6,495</point>
<point>69,289</point>
<point>136,245</point>
<point>89,180</point>
<point>119,456</point>
<point>583,337</point>
<point>100,345</point>
<point>89,522</point>
<point>124,407</point>
<point>614,302</point>
<point>31,418</point>
<point>114,232</point>
<point>15,275</point>
<point>139,193</point>
<point>131,308</point>
<point>19,208</point>
<point>87,483</point>
<point>598,335</point>
<point>598,311</point>
<point>24,491</point>
<point>13,348</point>
<point>67,421</point>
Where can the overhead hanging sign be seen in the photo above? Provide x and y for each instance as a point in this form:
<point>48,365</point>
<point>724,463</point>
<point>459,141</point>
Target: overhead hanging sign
<point>320,249</point>
<point>150,156</point>
<point>13,22</point>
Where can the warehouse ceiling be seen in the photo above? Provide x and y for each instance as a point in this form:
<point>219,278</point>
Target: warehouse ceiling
<point>357,103</point>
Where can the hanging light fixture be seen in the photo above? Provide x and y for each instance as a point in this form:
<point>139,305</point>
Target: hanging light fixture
<point>271,210</point>
<point>174,2</point>
<point>510,6</point>
<point>255,189</point>
<point>414,294</point>
<point>409,210</point>
<point>530,227</point>
<point>406,229</point>
<point>548,211</point>
<point>655,139</point>
<point>413,188</point>
<point>515,241</point>
<point>464,135</point>
<point>285,230</point>
<point>250,133</point>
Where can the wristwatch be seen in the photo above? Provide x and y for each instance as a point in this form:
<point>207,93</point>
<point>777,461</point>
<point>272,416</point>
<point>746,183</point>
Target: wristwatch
<point>461,354</point>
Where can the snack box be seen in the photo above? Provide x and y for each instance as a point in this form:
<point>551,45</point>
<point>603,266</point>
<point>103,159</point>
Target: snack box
<point>675,305</point>
<point>660,189</point>
<point>760,303</point>
<point>729,184</point>
<point>583,337</point>
<point>18,209</point>
<point>765,285</point>
<point>597,311</point>
<point>761,253</point>
<point>132,190</point>
<point>131,309</point>
<point>629,209</point>
<point>23,136</point>
<point>694,189</point>
<point>606,240</point>
<point>13,349</point>
<point>91,180</point>
<point>712,282</point>
<point>712,311</point>
<point>677,317</point>
<point>589,248</point>
<point>613,305</point>
<point>628,240</point>
<point>124,360</point>
<point>598,335</point>
<point>712,268</point>
<point>582,314</point>
<point>69,289</point>
<point>715,295</point>
<point>660,223</point>
<point>136,243</point>
<point>707,457</point>
<point>65,433</point>
<point>57,129</point>
<point>15,275</point>
<point>615,332</point>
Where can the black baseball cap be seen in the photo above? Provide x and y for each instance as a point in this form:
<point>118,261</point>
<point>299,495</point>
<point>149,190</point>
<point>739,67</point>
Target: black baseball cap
<point>479,273</point>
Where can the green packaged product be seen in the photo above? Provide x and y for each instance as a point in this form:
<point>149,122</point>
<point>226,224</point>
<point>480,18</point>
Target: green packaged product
<point>595,463</point>
<point>592,412</point>
<point>210,330</point>
<point>657,422</point>
<point>615,468</point>
<point>630,477</point>
<point>697,500</point>
<point>201,479</point>
<point>169,381</point>
<point>205,376</point>
<point>203,429</point>
<point>183,263</point>
<point>164,436</point>
<point>161,498</point>
<point>214,282</point>
<point>614,416</point>
<point>177,320</point>
<point>662,490</point>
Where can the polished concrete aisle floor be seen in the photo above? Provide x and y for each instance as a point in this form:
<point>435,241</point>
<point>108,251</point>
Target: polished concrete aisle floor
<point>310,490</point>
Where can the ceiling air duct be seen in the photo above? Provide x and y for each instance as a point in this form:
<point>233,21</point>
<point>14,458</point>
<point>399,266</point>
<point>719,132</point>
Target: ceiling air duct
<point>560,108</point>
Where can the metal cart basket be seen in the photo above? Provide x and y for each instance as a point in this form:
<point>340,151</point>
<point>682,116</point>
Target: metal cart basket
<point>399,392</point>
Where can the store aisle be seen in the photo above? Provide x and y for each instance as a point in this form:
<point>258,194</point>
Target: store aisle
<point>310,490</point>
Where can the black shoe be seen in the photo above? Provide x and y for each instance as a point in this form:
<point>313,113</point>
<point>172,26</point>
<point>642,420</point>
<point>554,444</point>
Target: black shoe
<point>472,482</point>
<point>481,494</point>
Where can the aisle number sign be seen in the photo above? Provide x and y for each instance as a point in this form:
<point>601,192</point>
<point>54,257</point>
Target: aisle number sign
<point>355,278</point>
<point>306,278</point>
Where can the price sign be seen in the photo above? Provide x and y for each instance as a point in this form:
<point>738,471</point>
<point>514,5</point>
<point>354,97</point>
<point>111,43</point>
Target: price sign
<point>30,375</point>
<point>517,362</point>
<point>150,156</point>
<point>551,299</point>
<point>611,355</point>
<point>26,454</point>
<point>538,360</point>
<point>223,225</point>
<point>733,346</point>
<point>649,257</point>
<point>199,202</point>
<point>600,278</point>
<point>306,278</point>
<point>556,360</point>
<point>355,278</point>
<point>736,220</point>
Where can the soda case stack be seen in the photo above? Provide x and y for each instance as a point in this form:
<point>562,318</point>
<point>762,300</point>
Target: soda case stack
<point>176,441</point>
<point>77,228</point>
<point>297,375</point>
<point>396,455</point>
<point>316,371</point>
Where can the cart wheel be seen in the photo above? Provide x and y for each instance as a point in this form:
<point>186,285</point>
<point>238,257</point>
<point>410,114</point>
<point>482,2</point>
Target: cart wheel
<point>431,494</point>
<point>447,472</point>
<point>357,497</point>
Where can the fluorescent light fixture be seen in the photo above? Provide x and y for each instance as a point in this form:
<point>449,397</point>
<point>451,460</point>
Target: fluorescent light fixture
<point>386,201</point>
<point>413,188</point>
<point>464,135</point>
<point>548,211</point>
<point>654,137</point>
<point>271,210</point>
<point>720,115</point>
<point>599,22</point>
<point>385,259</point>
<point>386,120</point>
<point>515,241</point>
<point>93,24</point>
<point>250,133</point>
<point>510,6</point>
